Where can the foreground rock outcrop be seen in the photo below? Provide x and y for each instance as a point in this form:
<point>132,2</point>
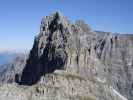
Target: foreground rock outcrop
<point>61,86</point>
<point>70,61</point>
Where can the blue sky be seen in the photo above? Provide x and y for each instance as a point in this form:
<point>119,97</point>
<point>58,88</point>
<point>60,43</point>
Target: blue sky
<point>20,19</point>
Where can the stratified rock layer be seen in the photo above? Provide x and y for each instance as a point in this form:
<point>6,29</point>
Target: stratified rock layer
<point>117,55</point>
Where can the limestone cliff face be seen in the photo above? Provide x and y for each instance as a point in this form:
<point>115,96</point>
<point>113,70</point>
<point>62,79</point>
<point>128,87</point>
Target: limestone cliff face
<point>117,55</point>
<point>81,52</point>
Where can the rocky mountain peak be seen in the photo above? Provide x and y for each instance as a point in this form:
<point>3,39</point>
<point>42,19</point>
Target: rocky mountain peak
<point>53,22</point>
<point>70,61</point>
<point>48,52</point>
<point>57,38</point>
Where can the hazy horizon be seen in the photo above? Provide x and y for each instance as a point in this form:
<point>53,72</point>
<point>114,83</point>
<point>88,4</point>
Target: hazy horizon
<point>20,19</point>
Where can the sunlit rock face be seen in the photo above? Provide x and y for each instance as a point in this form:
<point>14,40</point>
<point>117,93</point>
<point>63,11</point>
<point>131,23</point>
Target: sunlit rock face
<point>115,51</point>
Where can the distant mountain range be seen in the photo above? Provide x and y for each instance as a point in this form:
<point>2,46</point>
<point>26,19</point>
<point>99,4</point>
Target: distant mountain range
<point>7,56</point>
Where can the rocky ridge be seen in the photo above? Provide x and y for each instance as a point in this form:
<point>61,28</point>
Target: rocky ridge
<point>61,86</point>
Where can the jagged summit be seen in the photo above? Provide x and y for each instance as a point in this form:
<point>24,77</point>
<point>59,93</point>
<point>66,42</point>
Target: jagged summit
<point>48,52</point>
<point>55,18</point>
